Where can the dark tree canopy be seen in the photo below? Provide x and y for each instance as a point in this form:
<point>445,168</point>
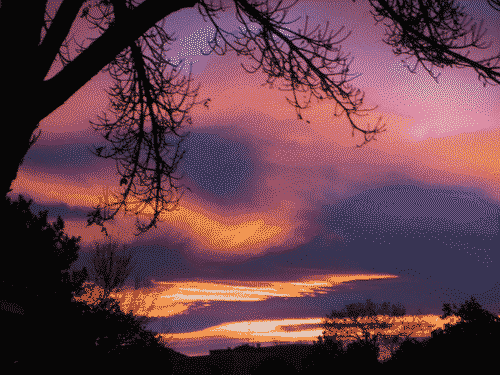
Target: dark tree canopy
<point>470,312</point>
<point>41,323</point>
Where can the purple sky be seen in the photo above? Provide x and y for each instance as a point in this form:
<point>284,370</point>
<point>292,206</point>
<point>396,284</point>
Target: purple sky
<point>278,199</point>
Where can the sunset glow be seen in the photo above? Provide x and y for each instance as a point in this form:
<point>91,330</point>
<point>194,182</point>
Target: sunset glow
<point>295,331</point>
<point>168,299</point>
<point>283,219</point>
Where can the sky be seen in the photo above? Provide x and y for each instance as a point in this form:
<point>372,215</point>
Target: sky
<point>287,220</point>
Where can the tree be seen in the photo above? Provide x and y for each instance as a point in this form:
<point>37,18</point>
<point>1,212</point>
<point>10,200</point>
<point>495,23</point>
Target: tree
<point>129,48</point>
<point>117,333</point>
<point>471,341</point>
<point>109,269</point>
<point>130,45</point>
<point>429,29</point>
<point>39,302</point>
<point>351,317</point>
<point>35,283</point>
<point>469,312</point>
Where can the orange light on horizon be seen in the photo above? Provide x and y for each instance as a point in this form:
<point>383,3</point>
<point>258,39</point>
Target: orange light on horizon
<point>170,298</point>
<point>304,330</point>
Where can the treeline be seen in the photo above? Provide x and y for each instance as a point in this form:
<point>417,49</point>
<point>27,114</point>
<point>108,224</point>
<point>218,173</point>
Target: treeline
<point>473,342</point>
<point>42,325</point>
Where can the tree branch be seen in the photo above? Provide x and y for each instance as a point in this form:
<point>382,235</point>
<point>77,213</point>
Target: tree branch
<point>103,50</point>
<point>56,34</point>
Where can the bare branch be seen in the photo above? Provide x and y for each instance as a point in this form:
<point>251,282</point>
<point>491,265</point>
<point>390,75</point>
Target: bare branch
<point>351,315</point>
<point>300,60</point>
<point>110,269</point>
<point>429,30</point>
<point>149,103</point>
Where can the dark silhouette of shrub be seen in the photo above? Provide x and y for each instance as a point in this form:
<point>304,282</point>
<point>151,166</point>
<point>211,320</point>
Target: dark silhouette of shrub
<point>274,365</point>
<point>358,356</point>
<point>322,354</point>
<point>471,342</point>
<point>42,325</point>
<point>34,263</point>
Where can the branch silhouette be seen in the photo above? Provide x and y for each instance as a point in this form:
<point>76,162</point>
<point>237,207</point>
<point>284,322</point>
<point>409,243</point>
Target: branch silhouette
<point>430,31</point>
<point>151,101</point>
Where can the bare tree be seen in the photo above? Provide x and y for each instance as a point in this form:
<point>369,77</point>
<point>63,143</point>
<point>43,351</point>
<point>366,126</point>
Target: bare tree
<point>130,47</point>
<point>351,317</point>
<point>109,269</point>
<point>436,32</point>
<point>146,160</point>
<point>151,101</point>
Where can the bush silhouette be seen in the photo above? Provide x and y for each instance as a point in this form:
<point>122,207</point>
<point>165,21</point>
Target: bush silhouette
<point>274,365</point>
<point>322,355</point>
<point>42,326</point>
<point>32,270</point>
<point>360,354</point>
<point>472,341</point>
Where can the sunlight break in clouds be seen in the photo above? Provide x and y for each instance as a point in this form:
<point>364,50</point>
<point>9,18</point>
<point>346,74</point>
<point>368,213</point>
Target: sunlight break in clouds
<point>291,331</point>
<point>252,230</point>
<point>172,298</point>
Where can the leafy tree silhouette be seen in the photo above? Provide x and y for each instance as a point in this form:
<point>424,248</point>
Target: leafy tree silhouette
<point>474,341</point>
<point>41,321</point>
<point>32,270</point>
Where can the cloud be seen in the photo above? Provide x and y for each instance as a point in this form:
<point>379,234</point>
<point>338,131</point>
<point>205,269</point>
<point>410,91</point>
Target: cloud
<point>216,165</point>
<point>66,158</point>
<point>449,235</point>
<point>168,298</point>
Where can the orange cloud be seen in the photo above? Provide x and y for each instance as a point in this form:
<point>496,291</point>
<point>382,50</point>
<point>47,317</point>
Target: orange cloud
<point>298,330</point>
<point>172,298</point>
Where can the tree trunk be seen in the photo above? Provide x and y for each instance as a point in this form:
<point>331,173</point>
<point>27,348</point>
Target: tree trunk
<point>26,98</point>
<point>19,82</point>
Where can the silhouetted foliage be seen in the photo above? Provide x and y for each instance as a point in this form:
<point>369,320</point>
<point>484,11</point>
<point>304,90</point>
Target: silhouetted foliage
<point>33,268</point>
<point>473,341</point>
<point>274,365</point>
<point>359,355</point>
<point>42,324</point>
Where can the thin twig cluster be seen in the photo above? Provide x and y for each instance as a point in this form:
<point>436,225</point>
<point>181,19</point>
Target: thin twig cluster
<point>436,33</point>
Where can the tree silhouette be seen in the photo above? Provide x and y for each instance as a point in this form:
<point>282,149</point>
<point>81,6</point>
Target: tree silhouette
<point>109,268</point>
<point>41,321</point>
<point>352,315</point>
<point>472,341</point>
<point>470,312</point>
<point>129,47</point>
<point>432,32</point>
<point>34,274</point>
